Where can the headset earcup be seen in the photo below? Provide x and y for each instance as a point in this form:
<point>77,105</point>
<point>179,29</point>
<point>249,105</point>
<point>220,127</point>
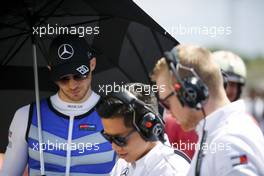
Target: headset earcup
<point>147,123</point>
<point>195,92</point>
<point>150,127</point>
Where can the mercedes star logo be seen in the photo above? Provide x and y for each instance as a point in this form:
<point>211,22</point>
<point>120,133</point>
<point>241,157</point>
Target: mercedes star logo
<point>157,130</point>
<point>191,94</point>
<point>65,51</point>
<point>124,172</point>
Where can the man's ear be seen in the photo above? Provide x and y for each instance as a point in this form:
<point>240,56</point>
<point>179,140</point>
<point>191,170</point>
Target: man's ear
<point>92,64</point>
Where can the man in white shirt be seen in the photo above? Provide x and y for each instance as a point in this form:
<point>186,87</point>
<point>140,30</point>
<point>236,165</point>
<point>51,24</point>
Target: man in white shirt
<point>230,142</point>
<point>136,130</point>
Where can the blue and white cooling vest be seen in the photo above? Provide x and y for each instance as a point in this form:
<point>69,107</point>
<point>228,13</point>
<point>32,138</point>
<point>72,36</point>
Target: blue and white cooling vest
<point>90,153</point>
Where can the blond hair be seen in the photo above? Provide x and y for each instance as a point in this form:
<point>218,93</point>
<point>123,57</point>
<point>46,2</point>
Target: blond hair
<point>160,67</point>
<point>198,58</point>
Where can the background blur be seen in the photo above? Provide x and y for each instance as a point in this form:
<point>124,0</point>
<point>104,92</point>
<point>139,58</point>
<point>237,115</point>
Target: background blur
<point>235,25</point>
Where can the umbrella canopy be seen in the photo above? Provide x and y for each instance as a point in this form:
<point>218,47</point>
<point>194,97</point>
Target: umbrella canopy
<point>125,37</point>
<point>127,42</point>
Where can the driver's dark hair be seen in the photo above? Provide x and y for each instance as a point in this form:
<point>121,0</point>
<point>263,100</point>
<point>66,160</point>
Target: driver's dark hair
<point>111,107</point>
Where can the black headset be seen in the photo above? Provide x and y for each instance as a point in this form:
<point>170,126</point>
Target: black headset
<point>148,123</point>
<point>191,91</point>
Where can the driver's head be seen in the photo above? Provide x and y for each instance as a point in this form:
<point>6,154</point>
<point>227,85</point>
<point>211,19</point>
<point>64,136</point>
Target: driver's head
<point>235,69</point>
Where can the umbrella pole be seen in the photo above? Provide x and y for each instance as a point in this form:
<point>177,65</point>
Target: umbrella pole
<point>40,139</point>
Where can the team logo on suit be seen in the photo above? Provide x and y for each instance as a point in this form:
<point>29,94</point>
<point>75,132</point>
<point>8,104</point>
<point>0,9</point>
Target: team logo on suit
<point>125,172</point>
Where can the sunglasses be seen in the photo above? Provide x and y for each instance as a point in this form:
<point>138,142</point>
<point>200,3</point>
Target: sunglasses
<point>77,77</point>
<point>118,140</point>
<point>163,102</point>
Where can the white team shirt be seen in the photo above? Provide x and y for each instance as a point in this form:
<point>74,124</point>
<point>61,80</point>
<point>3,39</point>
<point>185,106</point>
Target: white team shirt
<point>159,161</point>
<point>16,154</point>
<point>234,144</point>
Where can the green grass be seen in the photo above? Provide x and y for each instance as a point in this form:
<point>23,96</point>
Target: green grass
<point>255,70</point>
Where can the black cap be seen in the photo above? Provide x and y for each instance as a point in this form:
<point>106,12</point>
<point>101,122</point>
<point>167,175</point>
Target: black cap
<point>69,54</point>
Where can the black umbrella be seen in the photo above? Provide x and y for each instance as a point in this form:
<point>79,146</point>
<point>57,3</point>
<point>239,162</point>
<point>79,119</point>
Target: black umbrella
<point>125,37</point>
<point>128,42</point>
